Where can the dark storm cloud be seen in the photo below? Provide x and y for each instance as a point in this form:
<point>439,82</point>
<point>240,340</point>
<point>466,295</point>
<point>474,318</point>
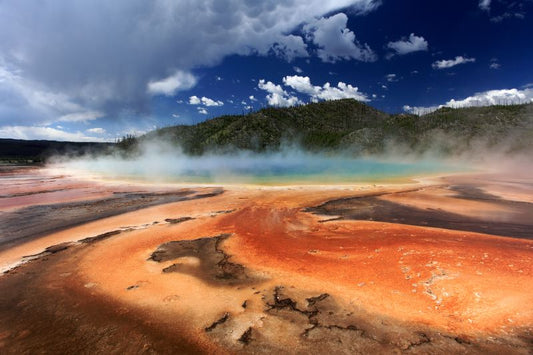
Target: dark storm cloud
<point>87,59</point>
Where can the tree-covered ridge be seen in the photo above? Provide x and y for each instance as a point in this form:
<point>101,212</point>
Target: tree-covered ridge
<point>355,127</point>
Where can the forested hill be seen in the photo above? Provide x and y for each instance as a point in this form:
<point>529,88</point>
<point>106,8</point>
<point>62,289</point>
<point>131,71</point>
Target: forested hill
<point>352,126</point>
<point>20,151</point>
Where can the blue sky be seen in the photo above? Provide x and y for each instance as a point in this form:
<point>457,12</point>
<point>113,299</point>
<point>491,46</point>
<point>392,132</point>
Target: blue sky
<point>97,70</point>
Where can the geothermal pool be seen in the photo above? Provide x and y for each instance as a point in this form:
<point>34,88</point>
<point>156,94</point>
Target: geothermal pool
<point>259,169</point>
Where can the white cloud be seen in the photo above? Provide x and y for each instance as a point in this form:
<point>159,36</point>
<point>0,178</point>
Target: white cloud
<point>175,115</point>
<point>270,87</point>
<point>302,84</point>
<point>202,110</point>
<point>297,69</point>
<point>168,86</point>
<point>335,41</point>
<point>484,5</point>
<point>495,65</point>
<point>409,45</point>
<point>391,78</point>
<point>252,98</point>
<point>195,100</point>
<point>48,133</point>
<point>494,97</point>
<point>97,130</point>
<point>80,116</point>
<point>445,64</point>
<point>276,95</point>
<point>210,102</point>
<point>486,98</point>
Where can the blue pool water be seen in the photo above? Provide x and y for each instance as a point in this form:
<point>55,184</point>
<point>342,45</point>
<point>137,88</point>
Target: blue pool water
<point>266,169</point>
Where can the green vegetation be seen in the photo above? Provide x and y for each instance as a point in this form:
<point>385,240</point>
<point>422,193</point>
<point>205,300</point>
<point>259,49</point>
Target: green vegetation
<point>355,127</point>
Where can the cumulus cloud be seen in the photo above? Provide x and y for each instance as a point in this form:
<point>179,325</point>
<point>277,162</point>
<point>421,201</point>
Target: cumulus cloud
<point>168,86</point>
<point>97,130</point>
<point>445,64</point>
<point>276,95</point>
<point>202,111</point>
<point>103,56</point>
<point>195,100</point>
<point>302,84</point>
<point>48,133</point>
<point>335,41</point>
<point>409,45</point>
<point>486,98</point>
<point>210,102</point>
<point>326,92</point>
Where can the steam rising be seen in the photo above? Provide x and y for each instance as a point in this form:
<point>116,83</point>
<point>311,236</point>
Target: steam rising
<point>163,163</point>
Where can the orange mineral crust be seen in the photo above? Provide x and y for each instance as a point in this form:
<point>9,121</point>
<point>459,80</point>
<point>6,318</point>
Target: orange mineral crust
<point>459,281</point>
<point>348,269</point>
<point>453,280</point>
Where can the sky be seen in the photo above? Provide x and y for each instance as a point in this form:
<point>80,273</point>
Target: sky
<point>96,70</point>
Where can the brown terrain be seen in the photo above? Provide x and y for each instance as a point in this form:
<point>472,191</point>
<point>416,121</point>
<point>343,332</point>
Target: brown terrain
<point>433,266</point>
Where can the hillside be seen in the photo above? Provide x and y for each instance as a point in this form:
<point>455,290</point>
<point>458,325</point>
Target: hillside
<point>36,151</point>
<point>355,127</point>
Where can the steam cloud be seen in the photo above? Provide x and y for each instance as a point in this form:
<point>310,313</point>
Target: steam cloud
<point>163,163</point>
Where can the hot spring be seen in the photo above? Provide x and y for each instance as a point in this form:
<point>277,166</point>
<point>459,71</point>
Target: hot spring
<point>282,168</point>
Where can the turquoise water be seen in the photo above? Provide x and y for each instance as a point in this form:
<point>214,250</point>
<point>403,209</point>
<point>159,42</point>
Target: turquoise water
<point>273,169</point>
